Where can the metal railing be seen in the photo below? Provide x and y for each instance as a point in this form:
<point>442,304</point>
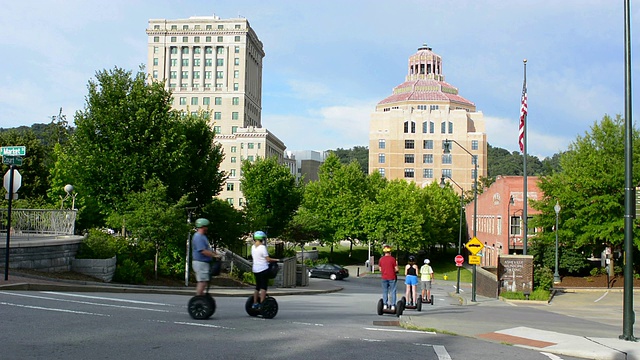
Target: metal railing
<point>39,221</point>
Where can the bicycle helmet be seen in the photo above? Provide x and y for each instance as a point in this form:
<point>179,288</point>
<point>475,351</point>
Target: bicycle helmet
<point>202,222</point>
<point>412,258</point>
<point>426,261</point>
<point>259,235</point>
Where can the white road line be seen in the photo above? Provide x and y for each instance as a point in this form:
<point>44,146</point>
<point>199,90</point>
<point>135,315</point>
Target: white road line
<point>303,323</point>
<point>203,325</point>
<point>601,297</point>
<point>85,302</point>
<point>551,356</point>
<point>441,352</point>
<point>107,298</point>
<point>51,309</point>
<point>372,340</point>
<point>402,331</point>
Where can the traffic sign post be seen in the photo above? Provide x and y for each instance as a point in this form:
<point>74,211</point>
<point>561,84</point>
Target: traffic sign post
<point>474,246</point>
<point>13,150</point>
<point>12,182</point>
<point>12,160</point>
<point>474,260</point>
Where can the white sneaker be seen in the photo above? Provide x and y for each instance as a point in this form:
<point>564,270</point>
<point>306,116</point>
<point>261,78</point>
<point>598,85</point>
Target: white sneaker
<point>393,308</point>
<point>385,307</point>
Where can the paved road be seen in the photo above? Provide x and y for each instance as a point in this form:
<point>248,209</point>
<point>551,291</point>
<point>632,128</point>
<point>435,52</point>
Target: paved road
<point>342,325</point>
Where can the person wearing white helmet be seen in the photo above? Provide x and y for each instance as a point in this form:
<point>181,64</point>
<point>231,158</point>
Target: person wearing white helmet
<point>202,255</point>
<point>426,278</point>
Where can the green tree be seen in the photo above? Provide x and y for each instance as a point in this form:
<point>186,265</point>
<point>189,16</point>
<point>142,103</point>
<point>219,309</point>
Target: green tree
<point>227,224</point>
<point>272,194</point>
<point>34,169</point>
<point>359,154</point>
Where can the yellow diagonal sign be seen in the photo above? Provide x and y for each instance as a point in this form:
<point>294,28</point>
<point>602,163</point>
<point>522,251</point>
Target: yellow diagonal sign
<point>474,246</point>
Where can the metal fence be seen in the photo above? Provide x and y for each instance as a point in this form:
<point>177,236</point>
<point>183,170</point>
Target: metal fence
<point>39,221</point>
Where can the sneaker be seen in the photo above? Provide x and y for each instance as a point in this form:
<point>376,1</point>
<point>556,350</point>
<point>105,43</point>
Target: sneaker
<point>393,308</point>
<point>256,306</point>
<point>385,307</point>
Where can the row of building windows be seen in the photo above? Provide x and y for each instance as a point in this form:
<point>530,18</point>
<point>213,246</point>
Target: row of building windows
<point>196,39</point>
<point>428,127</point>
<point>426,144</point>
<point>196,50</point>
<point>196,62</point>
<point>198,27</point>
<point>184,86</point>
<point>240,201</point>
<point>196,74</point>
<point>426,173</point>
<point>207,101</point>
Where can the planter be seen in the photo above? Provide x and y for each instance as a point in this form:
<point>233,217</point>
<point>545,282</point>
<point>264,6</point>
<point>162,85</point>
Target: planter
<point>102,269</point>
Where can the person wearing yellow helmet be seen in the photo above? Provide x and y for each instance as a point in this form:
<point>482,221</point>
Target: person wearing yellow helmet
<point>389,269</point>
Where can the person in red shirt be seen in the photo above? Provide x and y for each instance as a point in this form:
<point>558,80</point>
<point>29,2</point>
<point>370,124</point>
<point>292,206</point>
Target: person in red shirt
<point>389,269</point>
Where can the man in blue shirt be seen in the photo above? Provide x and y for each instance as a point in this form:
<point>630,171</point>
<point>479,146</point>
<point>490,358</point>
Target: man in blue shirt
<point>202,255</point>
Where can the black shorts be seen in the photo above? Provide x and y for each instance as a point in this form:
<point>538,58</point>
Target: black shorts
<point>262,280</point>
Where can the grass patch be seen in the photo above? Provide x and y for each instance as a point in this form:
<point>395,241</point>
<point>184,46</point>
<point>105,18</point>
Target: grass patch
<point>418,328</point>
<point>537,295</point>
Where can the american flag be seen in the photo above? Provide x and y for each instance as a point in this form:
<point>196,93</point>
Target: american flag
<point>523,115</point>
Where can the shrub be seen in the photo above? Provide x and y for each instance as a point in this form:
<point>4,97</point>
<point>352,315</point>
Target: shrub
<point>248,278</point>
<point>129,272</point>
<point>617,270</point>
<point>542,278</point>
<point>512,295</point>
<point>539,294</point>
<point>97,245</point>
<point>595,271</point>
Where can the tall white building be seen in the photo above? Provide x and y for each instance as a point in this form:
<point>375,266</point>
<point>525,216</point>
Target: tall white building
<point>408,128</point>
<point>215,65</point>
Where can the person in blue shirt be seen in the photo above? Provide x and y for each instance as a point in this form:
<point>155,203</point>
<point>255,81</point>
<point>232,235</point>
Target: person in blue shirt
<point>202,254</point>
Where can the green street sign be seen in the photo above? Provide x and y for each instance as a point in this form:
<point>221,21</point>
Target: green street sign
<point>13,150</point>
<point>12,160</point>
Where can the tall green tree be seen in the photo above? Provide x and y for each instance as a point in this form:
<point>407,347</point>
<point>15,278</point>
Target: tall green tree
<point>359,154</point>
<point>126,135</point>
<point>272,195</point>
<point>228,224</point>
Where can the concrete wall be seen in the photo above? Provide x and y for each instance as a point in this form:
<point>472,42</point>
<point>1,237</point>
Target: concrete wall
<point>49,254</point>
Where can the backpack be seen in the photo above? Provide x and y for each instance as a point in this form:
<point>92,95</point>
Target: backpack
<point>272,272</point>
<point>215,268</point>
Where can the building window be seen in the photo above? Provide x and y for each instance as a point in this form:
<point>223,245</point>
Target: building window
<point>219,62</point>
<point>197,27</point>
<point>427,173</point>
<point>220,39</point>
<point>208,62</point>
<point>237,50</point>
<point>409,126</point>
<point>156,39</point>
<point>446,173</point>
<point>185,62</point>
<point>185,75</point>
<point>446,158</point>
<point>230,201</point>
<point>381,144</point>
<point>206,100</point>
<point>381,172</point>
<point>409,144</point>
<point>196,62</point>
<point>236,61</point>
<point>474,159</point>
<point>216,129</point>
<point>234,149</point>
<point>425,127</point>
<point>240,201</point>
<point>432,127</point>
<point>236,38</point>
<point>183,101</point>
<point>514,226</point>
<point>237,26</point>
<point>155,74</point>
<point>219,74</point>
<point>217,115</point>
<point>156,50</point>
<point>443,127</point>
<point>236,74</point>
<point>427,144</point>
<point>427,158</point>
<point>473,174</point>
<point>474,144</point>
<point>218,100</point>
<point>208,50</point>
<point>409,173</point>
<point>196,75</point>
<point>155,61</point>
<point>236,86</point>
<point>234,115</point>
<point>220,50</point>
<point>409,158</point>
<point>229,186</point>
<point>207,39</point>
<point>433,107</point>
<point>194,101</point>
<point>174,39</point>
<point>250,158</point>
<point>450,127</point>
<point>249,145</point>
<point>220,26</point>
<point>235,101</point>
<point>234,129</point>
<point>207,75</point>
<point>196,50</point>
<point>174,62</point>
<point>381,158</point>
<point>185,27</point>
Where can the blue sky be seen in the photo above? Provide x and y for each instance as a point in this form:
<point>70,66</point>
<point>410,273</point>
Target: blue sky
<point>329,62</point>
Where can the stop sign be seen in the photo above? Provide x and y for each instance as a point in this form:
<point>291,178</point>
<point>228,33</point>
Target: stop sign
<point>459,260</point>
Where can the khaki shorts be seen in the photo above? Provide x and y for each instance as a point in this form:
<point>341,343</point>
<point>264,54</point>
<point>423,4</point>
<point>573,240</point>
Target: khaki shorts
<point>426,285</point>
<point>202,270</point>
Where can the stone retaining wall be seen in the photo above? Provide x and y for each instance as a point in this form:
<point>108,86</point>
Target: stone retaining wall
<point>50,254</point>
<point>102,269</point>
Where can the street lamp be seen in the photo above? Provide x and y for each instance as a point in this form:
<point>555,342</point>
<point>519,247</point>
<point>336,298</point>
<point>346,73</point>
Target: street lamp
<point>442,185</point>
<point>556,275</point>
<point>69,194</point>
<point>511,202</point>
<point>446,148</point>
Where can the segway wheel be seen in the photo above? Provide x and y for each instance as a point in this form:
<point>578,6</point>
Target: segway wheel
<point>404,301</point>
<point>380,307</point>
<point>431,299</point>
<point>399,308</point>
<point>269,308</point>
<point>419,304</point>
<point>248,306</point>
<point>201,307</point>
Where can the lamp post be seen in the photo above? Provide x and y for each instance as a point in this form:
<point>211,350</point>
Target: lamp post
<point>442,185</point>
<point>447,149</point>
<point>69,194</point>
<point>556,275</point>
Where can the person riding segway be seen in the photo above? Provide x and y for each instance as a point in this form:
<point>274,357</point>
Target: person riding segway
<point>264,268</point>
<point>389,269</point>
<point>202,306</point>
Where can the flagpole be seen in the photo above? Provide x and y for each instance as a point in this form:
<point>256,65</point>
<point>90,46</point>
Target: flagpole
<point>523,114</point>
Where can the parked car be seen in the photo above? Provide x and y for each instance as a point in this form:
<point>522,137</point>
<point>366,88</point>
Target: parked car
<point>329,271</point>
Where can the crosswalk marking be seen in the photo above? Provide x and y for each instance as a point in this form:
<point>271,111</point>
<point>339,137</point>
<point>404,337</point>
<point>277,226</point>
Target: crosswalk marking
<point>551,356</point>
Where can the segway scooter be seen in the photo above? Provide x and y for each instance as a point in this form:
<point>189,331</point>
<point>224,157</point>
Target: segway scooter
<point>417,306</point>
<point>397,311</point>
<point>201,307</point>
<point>269,307</point>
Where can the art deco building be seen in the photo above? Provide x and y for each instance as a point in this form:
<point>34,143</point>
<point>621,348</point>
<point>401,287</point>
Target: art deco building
<point>215,65</point>
<point>408,129</point>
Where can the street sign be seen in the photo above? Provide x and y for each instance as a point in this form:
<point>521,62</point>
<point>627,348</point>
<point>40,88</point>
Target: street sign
<point>459,260</point>
<point>13,150</point>
<point>474,260</point>
<point>12,160</point>
<point>17,180</point>
<point>474,246</point>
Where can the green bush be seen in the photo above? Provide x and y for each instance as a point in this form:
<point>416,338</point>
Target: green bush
<point>129,272</point>
<point>542,278</point>
<point>539,294</point>
<point>512,295</point>
<point>97,245</point>
<point>248,278</point>
<point>617,270</point>
<point>595,271</point>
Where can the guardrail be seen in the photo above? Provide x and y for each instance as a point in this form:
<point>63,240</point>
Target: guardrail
<point>44,222</point>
